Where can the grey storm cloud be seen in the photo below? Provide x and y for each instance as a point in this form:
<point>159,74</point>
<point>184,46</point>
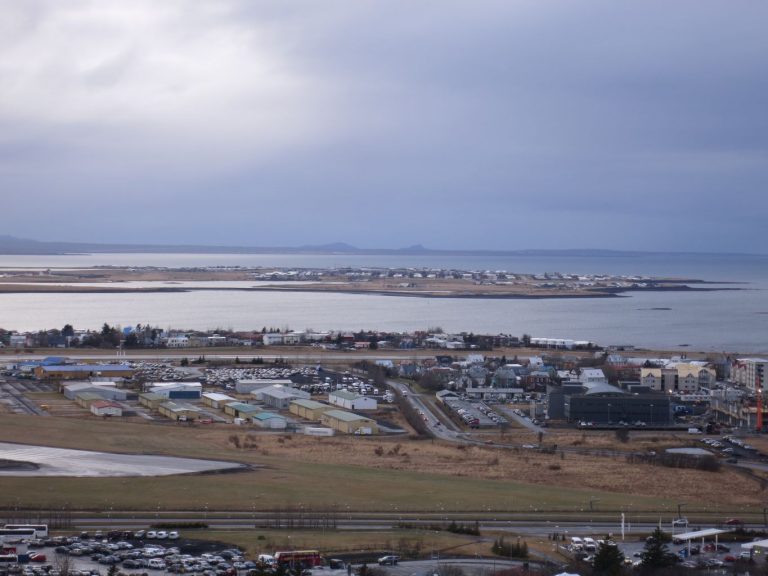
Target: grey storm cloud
<point>490,124</point>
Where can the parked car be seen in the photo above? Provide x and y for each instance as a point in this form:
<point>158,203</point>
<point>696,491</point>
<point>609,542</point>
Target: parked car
<point>389,560</point>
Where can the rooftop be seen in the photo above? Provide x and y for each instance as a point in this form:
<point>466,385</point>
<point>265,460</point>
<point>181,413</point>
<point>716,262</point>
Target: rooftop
<point>309,404</point>
<point>345,416</point>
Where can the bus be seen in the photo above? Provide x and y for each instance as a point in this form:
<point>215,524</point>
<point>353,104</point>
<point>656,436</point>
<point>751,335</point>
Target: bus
<point>298,558</point>
<point>41,530</point>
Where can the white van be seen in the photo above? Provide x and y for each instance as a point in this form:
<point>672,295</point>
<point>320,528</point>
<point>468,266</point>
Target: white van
<point>156,564</point>
<point>266,559</point>
<point>576,543</point>
<point>590,545</point>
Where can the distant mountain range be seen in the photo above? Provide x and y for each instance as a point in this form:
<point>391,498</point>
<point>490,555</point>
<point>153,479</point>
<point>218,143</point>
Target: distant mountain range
<point>10,245</point>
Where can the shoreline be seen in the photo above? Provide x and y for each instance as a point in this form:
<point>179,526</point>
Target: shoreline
<point>593,293</point>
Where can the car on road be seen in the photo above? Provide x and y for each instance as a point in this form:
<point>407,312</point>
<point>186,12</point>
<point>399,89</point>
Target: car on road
<point>389,560</point>
<point>680,522</point>
<point>733,522</point>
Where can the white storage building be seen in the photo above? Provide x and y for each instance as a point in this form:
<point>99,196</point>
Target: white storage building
<point>279,397</point>
<point>269,420</point>
<point>177,390</point>
<point>247,386</point>
<point>106,390</point>
<point>352,400</point>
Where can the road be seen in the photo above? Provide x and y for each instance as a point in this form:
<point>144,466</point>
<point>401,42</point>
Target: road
<point>524,422</point>
<point>435,427</point>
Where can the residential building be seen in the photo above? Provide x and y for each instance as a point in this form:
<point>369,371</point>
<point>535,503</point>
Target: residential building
<point>592,376</point>
<point>747,371</point>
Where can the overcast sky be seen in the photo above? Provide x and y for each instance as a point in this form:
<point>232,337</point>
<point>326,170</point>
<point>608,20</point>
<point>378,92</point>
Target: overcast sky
<point>478,124</point>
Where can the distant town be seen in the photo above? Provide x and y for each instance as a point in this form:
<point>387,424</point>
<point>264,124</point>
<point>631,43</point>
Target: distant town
<point>560,380</point>
<point>414,282</point>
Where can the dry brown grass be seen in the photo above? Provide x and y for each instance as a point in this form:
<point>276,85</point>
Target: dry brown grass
<point>403,542</point>
<point>388,456</point>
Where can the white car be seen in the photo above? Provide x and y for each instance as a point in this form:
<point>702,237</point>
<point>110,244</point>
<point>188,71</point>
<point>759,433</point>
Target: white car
<point>151,534</point>
<point>680,522</point>
<point>173,535</point>
<point>162,535</point>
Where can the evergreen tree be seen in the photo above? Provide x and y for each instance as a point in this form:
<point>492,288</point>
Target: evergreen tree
<point>608,560</point>
<point>655,554</point>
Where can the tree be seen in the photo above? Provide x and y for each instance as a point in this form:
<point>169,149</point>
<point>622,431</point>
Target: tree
<point>655,554</point>
<point>608,560</point>
<point>68,331</point>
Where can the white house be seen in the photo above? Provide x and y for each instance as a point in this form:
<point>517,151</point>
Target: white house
<point>592,376</point>
<point>177,341</point>
<point>272,339</point>
<point>18,340</point>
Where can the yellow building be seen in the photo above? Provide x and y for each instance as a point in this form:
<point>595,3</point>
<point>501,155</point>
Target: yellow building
<point>241,410</point>
<point>85,399</point>
<point>183,412</point>
<point>349,423</point>
<point>309,409</point>
<point>151,400</point>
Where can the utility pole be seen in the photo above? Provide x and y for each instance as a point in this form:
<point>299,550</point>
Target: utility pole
<point>759,393</point>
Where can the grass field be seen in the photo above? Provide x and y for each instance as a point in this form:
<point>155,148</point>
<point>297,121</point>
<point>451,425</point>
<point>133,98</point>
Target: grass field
<point>356,473</point>
<point>405,543</point>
